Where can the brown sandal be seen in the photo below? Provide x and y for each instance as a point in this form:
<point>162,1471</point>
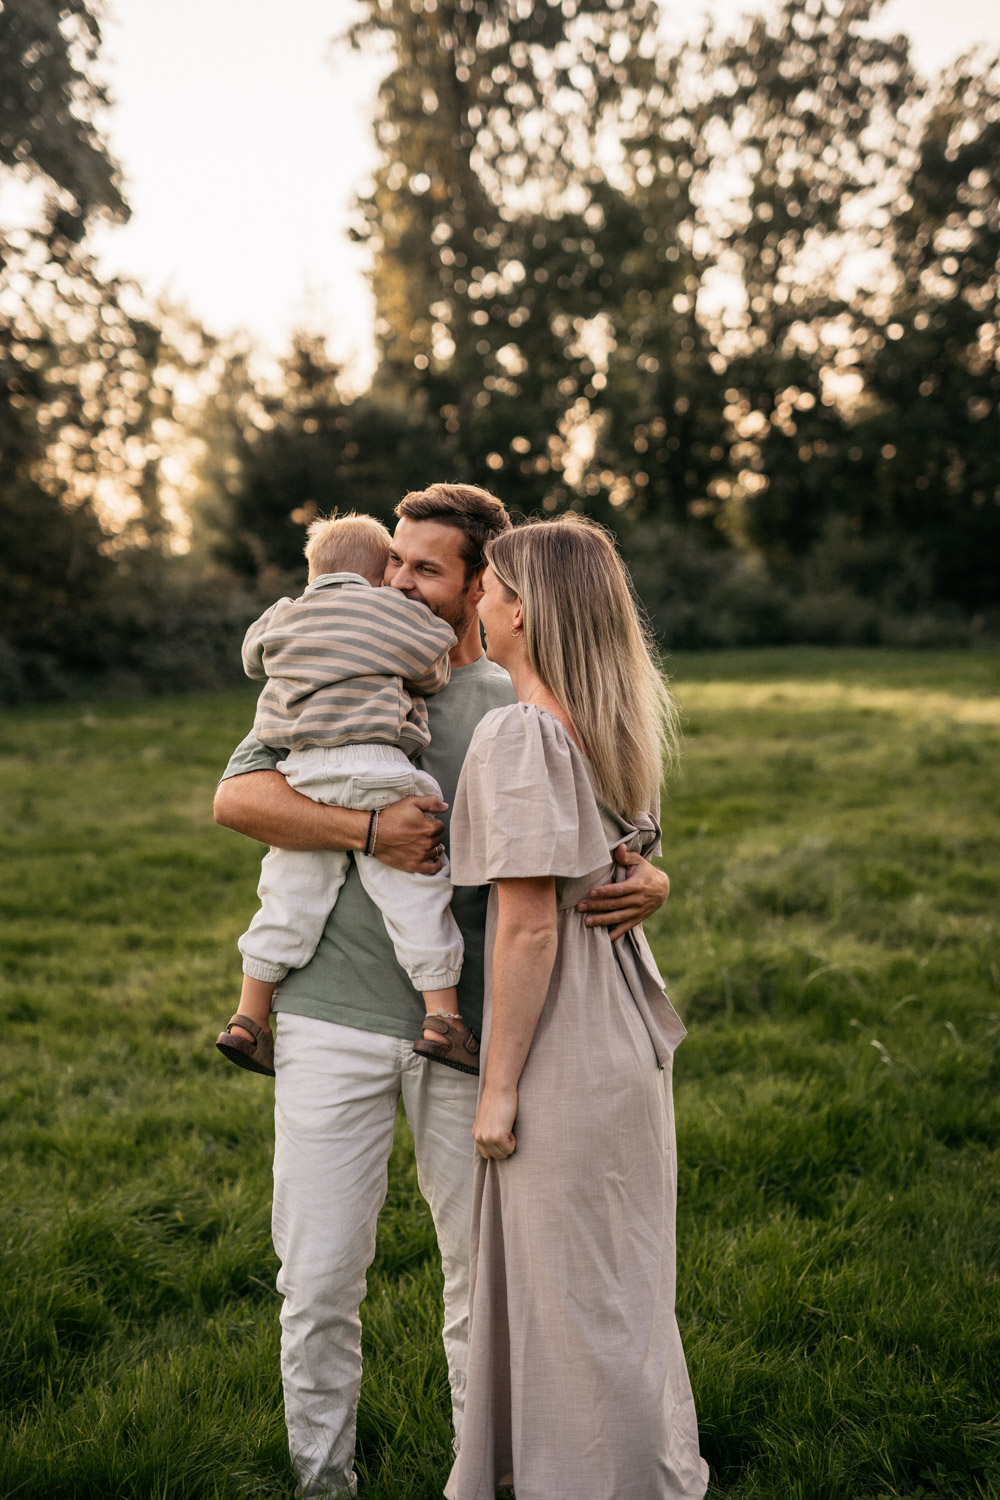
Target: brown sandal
<point>256,1056</point>
<point>458,1050</point>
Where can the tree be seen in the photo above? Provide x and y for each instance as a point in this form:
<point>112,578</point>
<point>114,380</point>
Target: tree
<point>80,396</point>
<point>933,368</point>
<point>306,449</point>
<point>484,224</point>
<point>796,120</point>
<point>50,104</point>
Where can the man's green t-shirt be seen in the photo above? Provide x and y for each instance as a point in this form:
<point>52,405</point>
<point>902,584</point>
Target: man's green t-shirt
<point>353,977</point>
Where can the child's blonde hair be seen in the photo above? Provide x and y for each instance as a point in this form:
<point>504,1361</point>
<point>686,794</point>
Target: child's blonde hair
<point>348,544</point>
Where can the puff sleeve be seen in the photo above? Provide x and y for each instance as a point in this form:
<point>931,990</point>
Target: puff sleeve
<point>525,805</point>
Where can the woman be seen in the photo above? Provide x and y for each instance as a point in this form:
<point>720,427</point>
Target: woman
<point>577,1384</point>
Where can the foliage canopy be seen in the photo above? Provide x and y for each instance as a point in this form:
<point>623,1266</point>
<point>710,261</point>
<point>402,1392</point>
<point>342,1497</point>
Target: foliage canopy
<point>737,296</point>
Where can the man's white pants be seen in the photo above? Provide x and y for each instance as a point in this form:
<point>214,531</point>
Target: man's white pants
<point>336,1094</point>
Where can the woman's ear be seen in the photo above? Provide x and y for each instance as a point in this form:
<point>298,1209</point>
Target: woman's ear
<point>518,621</point>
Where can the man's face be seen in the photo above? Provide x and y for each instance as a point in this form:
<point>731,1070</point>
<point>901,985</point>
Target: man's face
<point>426,563</point>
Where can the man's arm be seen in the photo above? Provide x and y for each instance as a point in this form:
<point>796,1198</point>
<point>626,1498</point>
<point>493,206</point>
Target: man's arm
<point>622,907</point>
<point>263,806</point>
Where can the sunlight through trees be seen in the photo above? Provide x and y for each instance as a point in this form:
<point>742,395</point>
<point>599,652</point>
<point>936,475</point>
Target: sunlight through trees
<point>736,296</point>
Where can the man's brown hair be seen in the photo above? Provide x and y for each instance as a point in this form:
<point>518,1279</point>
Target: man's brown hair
<point>471,510</point>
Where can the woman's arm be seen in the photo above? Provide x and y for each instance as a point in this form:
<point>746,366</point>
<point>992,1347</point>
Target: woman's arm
<point>523,955</point>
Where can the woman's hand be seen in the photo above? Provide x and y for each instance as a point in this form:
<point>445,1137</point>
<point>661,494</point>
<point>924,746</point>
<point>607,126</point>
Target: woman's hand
<point>493,1130</point>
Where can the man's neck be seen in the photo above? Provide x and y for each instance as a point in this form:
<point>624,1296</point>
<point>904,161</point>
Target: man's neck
<point>469,647</point>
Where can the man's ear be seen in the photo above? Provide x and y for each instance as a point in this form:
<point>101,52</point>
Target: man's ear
<point>474,587</point>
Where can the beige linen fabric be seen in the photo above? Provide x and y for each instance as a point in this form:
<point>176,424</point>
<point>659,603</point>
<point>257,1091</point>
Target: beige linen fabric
<point>577,1381</point>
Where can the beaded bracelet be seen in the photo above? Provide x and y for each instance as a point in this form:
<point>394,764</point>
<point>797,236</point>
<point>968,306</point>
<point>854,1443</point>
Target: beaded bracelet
<point>372,823</point>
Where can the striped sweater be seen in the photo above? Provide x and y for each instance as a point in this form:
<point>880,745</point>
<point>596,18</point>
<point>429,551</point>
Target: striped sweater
<point>345,664</point>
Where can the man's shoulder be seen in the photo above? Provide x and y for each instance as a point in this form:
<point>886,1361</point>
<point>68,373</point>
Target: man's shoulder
<point>473,691</point>
<point>505,712</point>
<point>498,679</point>
<point>483,683</point>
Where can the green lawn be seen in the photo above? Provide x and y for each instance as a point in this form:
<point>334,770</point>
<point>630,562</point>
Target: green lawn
<point>831,941</point>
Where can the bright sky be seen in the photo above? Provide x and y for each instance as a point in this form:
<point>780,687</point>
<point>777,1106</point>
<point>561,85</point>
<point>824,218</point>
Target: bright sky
<point>244,134</point>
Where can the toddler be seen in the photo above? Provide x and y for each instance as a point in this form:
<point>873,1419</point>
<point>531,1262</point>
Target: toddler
<point>346,664</point>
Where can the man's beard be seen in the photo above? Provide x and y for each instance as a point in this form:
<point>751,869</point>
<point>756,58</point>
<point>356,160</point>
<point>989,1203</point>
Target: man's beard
<point>458,613</point>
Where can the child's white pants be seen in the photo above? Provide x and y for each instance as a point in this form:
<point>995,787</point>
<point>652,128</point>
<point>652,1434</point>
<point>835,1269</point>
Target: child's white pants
<point>299,887</point>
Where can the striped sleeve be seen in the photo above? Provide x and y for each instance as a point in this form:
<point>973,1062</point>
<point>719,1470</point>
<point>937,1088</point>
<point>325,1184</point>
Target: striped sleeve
<point>253,642</point>
<point>434,679</point>
<point>409,639</point>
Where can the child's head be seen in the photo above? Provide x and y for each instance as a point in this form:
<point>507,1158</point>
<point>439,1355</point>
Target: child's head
<point>348,544</point>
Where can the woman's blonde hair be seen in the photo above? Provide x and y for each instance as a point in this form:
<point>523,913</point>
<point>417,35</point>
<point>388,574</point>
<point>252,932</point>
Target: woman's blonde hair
<point>588,644</point>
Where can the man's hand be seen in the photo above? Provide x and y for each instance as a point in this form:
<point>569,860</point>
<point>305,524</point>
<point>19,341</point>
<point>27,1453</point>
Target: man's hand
<point>622,907</point>
<point>409,835</point>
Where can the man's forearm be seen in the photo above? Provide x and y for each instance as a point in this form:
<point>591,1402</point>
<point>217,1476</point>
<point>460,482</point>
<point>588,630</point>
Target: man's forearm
<point>263,806</point>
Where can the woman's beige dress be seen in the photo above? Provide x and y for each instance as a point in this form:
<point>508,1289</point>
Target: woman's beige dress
<point>577,1381</point>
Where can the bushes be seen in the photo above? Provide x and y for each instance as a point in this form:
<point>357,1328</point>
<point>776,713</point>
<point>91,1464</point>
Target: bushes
<point>165,625</point>
<point>847,592</point>
<point>162,626</point>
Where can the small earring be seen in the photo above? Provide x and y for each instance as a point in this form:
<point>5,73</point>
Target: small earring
<point>514,632</point>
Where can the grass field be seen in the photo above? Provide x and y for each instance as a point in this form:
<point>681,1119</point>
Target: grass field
<point>832,943</point>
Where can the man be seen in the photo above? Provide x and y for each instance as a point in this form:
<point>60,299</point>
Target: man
<point>348,1019</point>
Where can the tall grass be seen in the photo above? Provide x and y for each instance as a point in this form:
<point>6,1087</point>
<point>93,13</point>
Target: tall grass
<point>831,941</point>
